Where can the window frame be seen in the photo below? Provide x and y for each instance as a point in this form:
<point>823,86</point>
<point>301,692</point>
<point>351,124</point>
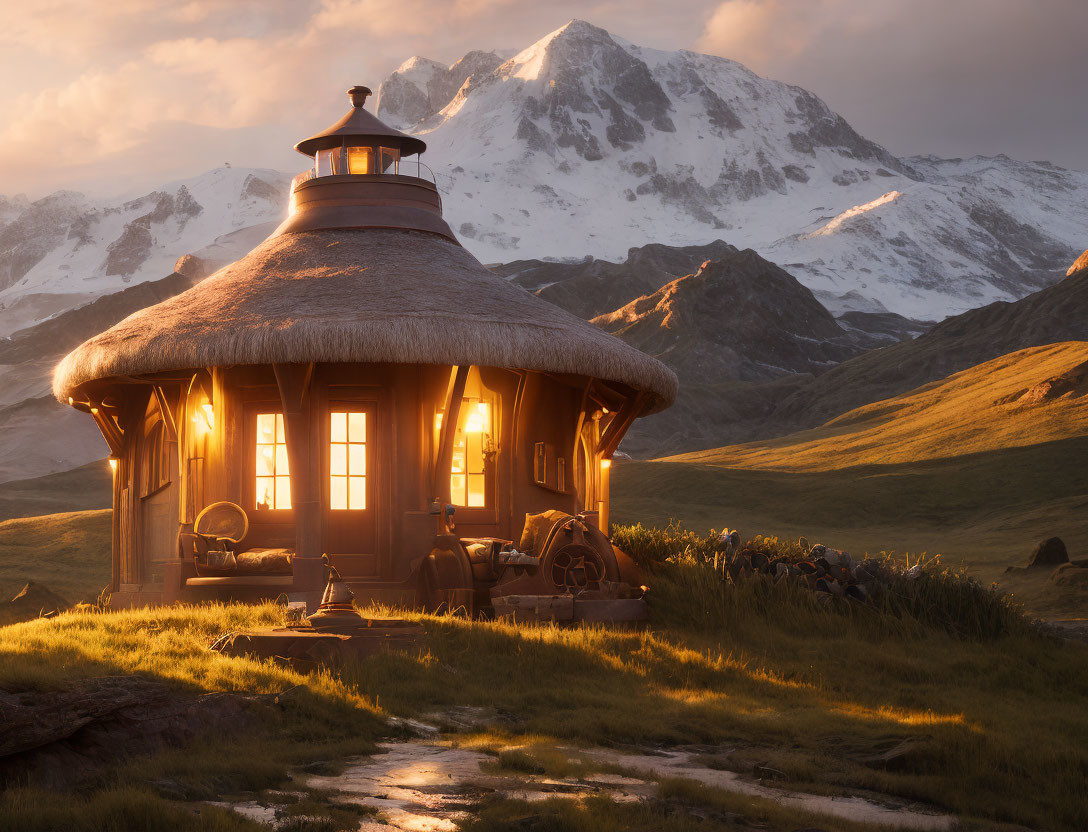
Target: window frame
<point>361,150</point>
<point>489,447</point>
<point>394,152</point>
<point>249,472</point>
<point>348,442</point>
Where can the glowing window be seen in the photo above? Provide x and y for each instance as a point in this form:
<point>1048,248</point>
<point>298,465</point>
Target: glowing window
<point>360,160</point>
<point>347,461</point>
<point>472,444</point>
<point>273,474</point>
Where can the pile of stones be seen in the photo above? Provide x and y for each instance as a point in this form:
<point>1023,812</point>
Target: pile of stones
<point>821,568</point>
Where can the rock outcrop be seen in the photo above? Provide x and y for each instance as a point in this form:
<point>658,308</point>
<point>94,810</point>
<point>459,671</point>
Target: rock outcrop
<point>738,317</point>
<point>594,287</point>
<point>1079,265</point>
<point>1050,552</point>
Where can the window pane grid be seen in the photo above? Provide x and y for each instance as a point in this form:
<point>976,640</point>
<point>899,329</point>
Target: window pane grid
<point>468,462</point>
<point>347,461</point>
<point>273,474</point>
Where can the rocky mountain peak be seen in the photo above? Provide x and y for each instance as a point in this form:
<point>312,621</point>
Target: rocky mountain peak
<point>738,316</point>
<point>586,143</point>
<point>1080,264</point>
<point>420,87</point>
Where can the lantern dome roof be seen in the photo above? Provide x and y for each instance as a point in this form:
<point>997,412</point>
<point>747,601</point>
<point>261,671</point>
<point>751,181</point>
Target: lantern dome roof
<point>359,123</point>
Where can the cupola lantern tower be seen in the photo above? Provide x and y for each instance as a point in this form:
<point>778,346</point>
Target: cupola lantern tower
<point>362,177</point>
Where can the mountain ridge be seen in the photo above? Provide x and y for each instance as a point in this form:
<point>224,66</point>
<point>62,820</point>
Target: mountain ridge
<point>699,145</point>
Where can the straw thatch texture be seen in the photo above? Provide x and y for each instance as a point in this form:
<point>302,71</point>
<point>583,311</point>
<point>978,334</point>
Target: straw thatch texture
<point>360,296</point>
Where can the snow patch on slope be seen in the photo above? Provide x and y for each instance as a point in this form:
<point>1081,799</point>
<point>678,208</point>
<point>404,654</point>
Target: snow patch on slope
<point>850,213</point>
<point>586,143</point>
<point>65,249</point>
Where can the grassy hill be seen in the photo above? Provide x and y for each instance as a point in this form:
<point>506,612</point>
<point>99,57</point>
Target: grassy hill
<point>1024,398</point>
<point>978,467</point>
<point>68,553</point>
<point>81,489</point>
<point>752,677</point>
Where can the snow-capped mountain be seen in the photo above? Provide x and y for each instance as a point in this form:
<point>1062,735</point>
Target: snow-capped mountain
<point>65,249</point>
<point>587,144</point>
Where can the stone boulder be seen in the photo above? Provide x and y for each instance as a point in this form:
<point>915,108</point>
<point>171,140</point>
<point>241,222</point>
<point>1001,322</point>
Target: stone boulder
<point>1050,552</point>
<point>1073,574</point>
<point>191,266</point>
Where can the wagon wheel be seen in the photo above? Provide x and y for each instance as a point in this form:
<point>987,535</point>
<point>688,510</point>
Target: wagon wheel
<point>574,568</point>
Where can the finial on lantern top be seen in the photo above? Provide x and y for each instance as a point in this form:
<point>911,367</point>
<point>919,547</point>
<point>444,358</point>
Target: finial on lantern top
<point>358,95</point>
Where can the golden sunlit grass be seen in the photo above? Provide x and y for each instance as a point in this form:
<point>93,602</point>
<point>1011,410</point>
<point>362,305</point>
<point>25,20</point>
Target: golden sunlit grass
<point>68,553</point>
<point>966,413</point>
<point>807,690</point>
<point>949,468</point>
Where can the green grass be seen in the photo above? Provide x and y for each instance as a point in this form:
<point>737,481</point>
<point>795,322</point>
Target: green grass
<point>679,806</point>
<point>113,809</point>
<point>806,688</point>
<point>985,510</point>
<point>67,553</point>
<point>697,593</point>
<point>953,467</point>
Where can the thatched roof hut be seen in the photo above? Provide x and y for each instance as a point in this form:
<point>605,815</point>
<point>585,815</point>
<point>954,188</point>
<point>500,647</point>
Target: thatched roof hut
<point>359,387</point>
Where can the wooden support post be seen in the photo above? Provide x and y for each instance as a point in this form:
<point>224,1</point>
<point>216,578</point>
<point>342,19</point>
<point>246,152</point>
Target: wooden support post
<point>293,381</point>
<point>451,413</point>
<point>618,426</point>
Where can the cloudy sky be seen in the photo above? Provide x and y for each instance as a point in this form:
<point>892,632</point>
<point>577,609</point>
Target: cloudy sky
<point>118,96</point>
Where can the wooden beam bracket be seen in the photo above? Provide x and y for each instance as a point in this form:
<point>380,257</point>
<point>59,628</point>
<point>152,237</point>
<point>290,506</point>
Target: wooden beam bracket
<point>618,425</point>
<point>111,431</point>
<point>167,414</point>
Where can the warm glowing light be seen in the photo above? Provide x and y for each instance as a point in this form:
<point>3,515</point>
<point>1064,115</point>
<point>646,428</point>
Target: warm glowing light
<point>359,160</point>
<point>113,464</point>
<point>273,473</point>
<point>606,464</point>
<point>438,420</point>
<point>71,401</point>
<point>94,410</point>
<point>347,461</point>
<point>470,448</point>
<point>204,419</point>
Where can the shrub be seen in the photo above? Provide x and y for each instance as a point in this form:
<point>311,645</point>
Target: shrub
<point>691,588</point>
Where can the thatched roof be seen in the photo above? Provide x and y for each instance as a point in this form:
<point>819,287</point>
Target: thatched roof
<point>360,296</point>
